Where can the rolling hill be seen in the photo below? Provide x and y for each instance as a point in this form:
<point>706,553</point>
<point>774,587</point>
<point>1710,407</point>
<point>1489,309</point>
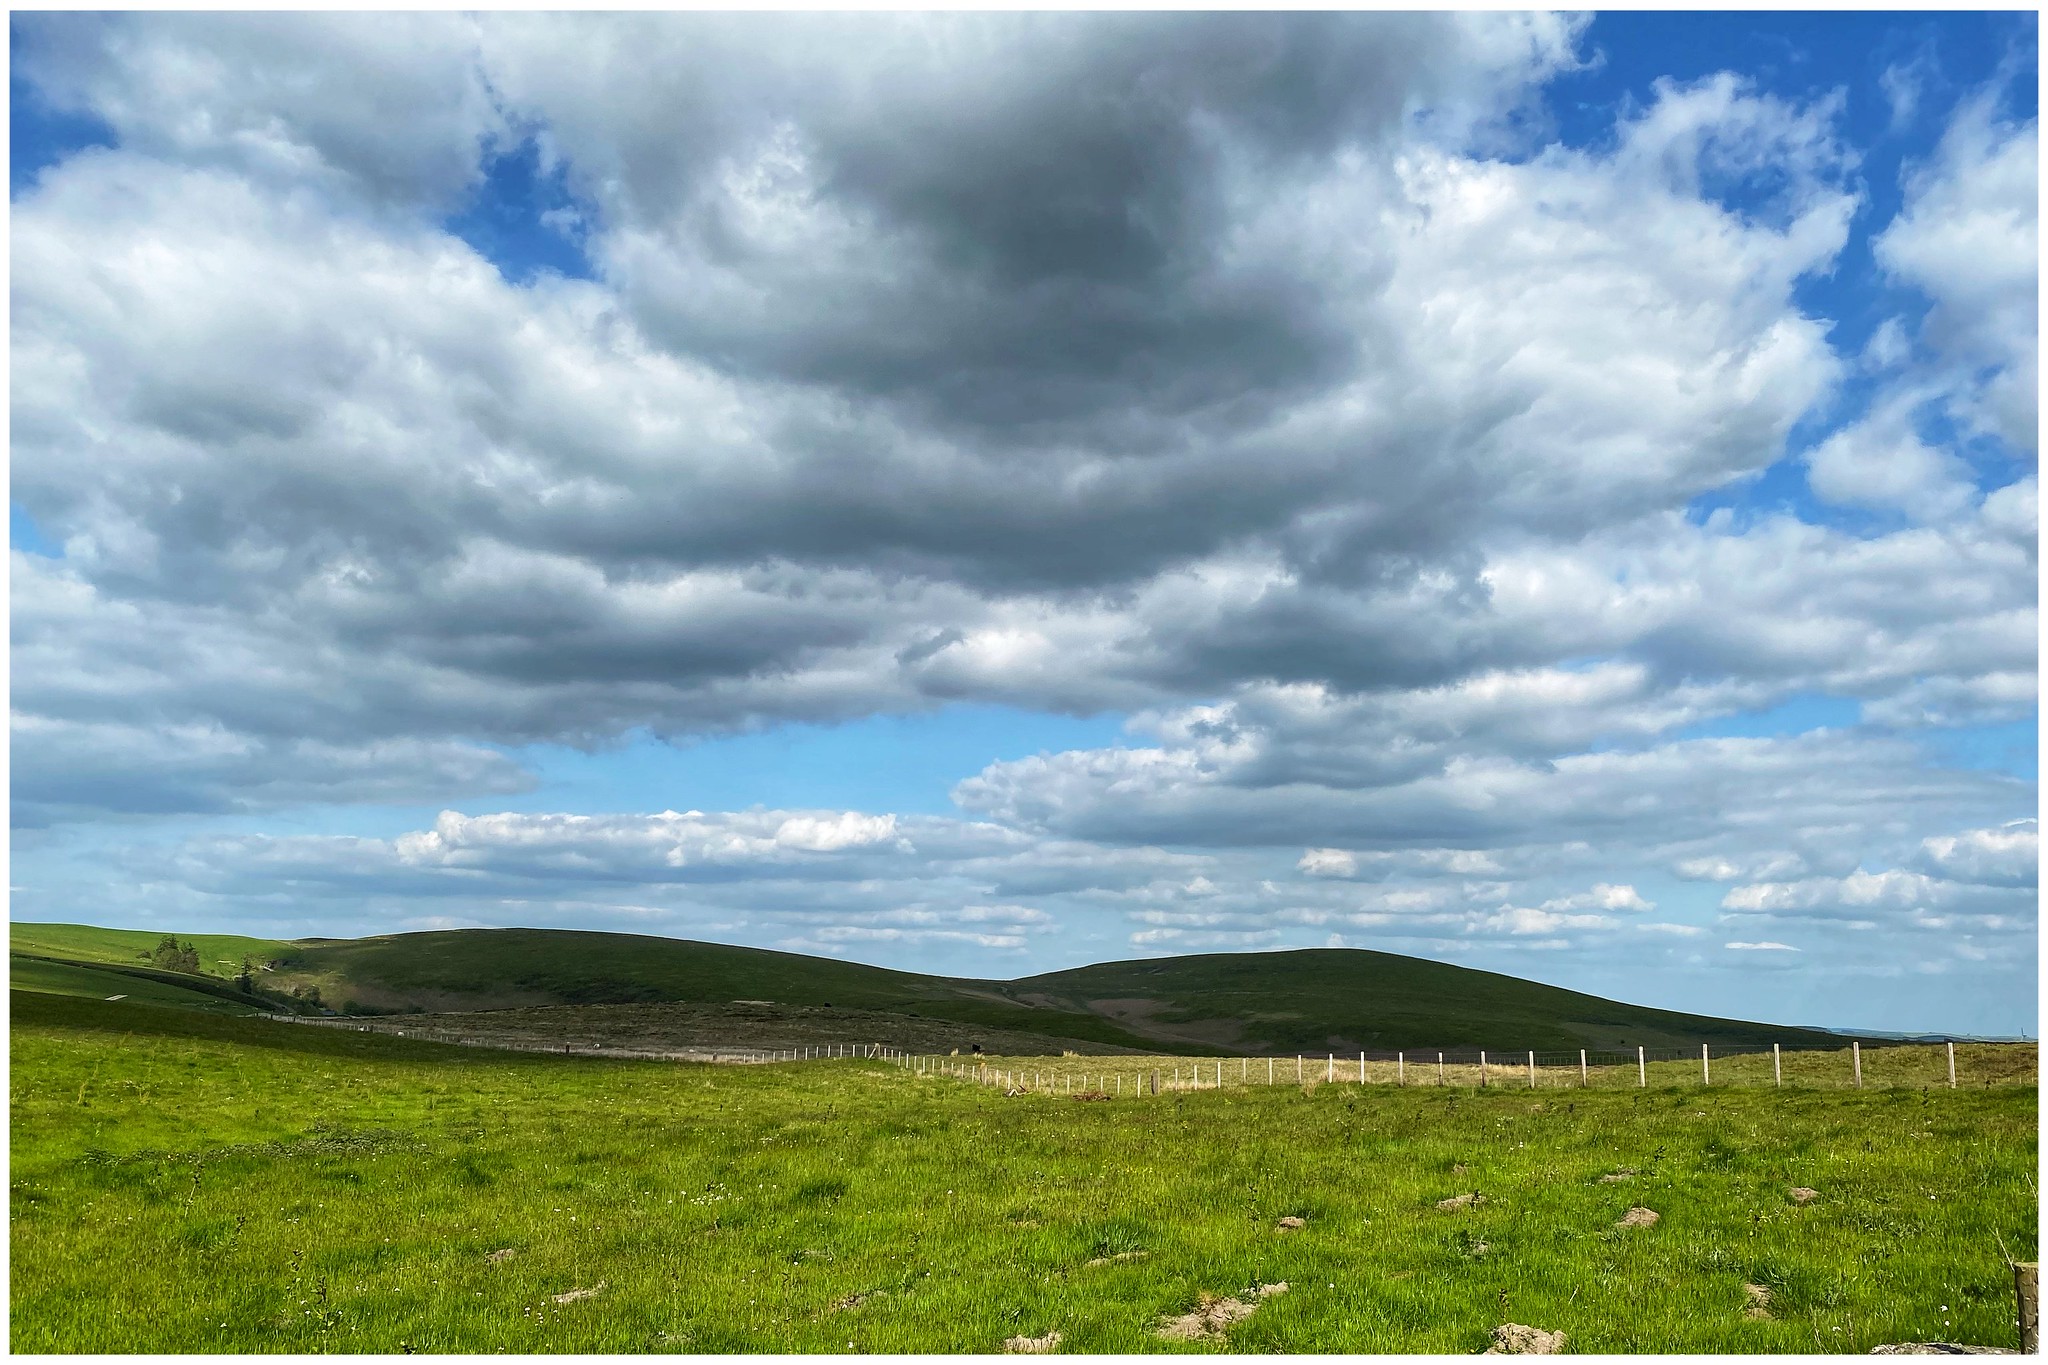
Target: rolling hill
<point>1213,1004</point>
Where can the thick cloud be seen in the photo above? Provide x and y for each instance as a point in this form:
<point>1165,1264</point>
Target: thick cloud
<point>1279,381</point>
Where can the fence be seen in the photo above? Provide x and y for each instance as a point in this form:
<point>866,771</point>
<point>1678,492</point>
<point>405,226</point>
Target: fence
<point>1880,1065</point>
<point>1948,1065</point>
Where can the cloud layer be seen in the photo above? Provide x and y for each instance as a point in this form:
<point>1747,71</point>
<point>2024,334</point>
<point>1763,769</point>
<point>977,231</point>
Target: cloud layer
<point>1283,382</point>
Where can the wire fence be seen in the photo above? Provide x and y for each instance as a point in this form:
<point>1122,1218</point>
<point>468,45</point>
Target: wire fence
<point>1950,1065</point>
<point>1878,1065</point>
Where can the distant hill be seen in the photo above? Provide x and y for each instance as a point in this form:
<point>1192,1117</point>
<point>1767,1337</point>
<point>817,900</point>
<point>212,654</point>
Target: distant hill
<point>1311,1000</point>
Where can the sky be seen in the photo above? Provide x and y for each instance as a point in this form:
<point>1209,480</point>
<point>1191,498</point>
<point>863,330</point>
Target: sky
<point>985,493</point>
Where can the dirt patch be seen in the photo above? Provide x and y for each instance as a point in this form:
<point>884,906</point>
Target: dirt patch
<point>853,1301</point>
<point>1759,1306</point>
<point>1514,1339</point>
<point>501,1254</point>
<point>1121,1257</point>
<point>1212,1315</point>
<point>1031,1346</point>
<point>1461,1201</point>
<point>578,1295</point>
<point>1639,1217</point>
<point>1291,1224</point>
<point>1939,1348</point>
<point>1803,1195</point>
<point>1616,1177</point>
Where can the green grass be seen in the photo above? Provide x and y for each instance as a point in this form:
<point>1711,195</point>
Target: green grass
<point>219,954</point>
<point>68,978</point>
<point>187,1183</point>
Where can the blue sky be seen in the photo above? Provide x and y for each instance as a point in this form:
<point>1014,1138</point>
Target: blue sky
<point>1011,559</point>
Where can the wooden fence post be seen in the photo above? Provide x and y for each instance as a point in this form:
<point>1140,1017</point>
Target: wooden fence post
<point>1706,1070</point>
<point>1642,1072</point>
<point>1777,1067</point>
<point>1330,1072</point>
<point>1532,1069</point>
<point>1361,1068</point>
<point>1400,1068</point>
<point>1439,1068</point>
<point>1951,1066</point>
<point>1856,1060</point>
<point>2026,1277</point>
<point>1297,1068</point>
<point>1482,1068</point>
<point>1269,1071</point>
<point>1582,1067</point>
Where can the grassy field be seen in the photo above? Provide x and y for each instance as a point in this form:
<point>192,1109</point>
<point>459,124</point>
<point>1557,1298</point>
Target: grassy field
<point>190,1183</point>
<point>219,954</point>
<point>68,978</point>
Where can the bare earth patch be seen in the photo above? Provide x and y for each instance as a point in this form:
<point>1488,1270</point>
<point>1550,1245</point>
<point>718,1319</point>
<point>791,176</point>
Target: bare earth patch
<point>1759,1306</point>
<point>1120,1257</point>
<point>1031,1346</point>
<point>1461,1201</point>
<point>1940,1348</point>
<point>1638,1217</point>
<point>1292,1224</point>
<point>578,1295</point>
<point>853,1301</point>
<point>1616,1177</point>
<point>501,1254</point>
<point>1514,1339</point>
<point>1212,1315</point>
<point>1802,1195</point>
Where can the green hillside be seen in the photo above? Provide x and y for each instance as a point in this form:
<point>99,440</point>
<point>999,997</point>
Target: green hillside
<point>1217,1004</point>
<point>1352,999</point>
<point>219,954</point>
<point>49,977</point>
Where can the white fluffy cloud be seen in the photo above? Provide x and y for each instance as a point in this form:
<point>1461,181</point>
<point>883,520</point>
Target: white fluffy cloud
<point>1276,380</point>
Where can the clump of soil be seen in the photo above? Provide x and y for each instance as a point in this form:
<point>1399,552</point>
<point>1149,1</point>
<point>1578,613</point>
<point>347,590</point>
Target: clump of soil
<point>501,1254</point>
<point>578,1295</point>
<point>1514,1339</point>
<point>1120,1257</point>
<point>1616,1177</point>
<point>1031,1346</point>
<point>853,1301</point>
<point>1638,1217</point>
<point>1292,1224</point>
<point>1461,1201</point>
<point>1803,1195</point>
<point>1213,1315</point>
<point>1759,1307</point>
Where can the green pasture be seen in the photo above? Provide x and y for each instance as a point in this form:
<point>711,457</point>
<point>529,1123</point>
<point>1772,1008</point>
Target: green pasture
<point>219,954</point>
<point>184,1182</point>
<point>92,983</point>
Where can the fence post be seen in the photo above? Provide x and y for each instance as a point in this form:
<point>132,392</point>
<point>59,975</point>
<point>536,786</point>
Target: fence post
<point>1856,1060</point>
<point>1642,1072</point>
<point>1155,1082</point>
<point>1297,1068</point>
<point>1439,1068</point>
<point>1777,1067</point>
<point>1482,1068</point>
<point>1269,1071</point>
<point>1361,1068</point>
<point>1330,1072</point>
<point>2026,1282</point>
<point>1951,1066</point>
<point>1532,1069</point>
<point>1706,1073</point>
<point>1582,1068</point>
<point>1400,1068</point>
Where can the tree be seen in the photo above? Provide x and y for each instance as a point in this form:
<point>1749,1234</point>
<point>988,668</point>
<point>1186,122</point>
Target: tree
<point>173,956</point>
